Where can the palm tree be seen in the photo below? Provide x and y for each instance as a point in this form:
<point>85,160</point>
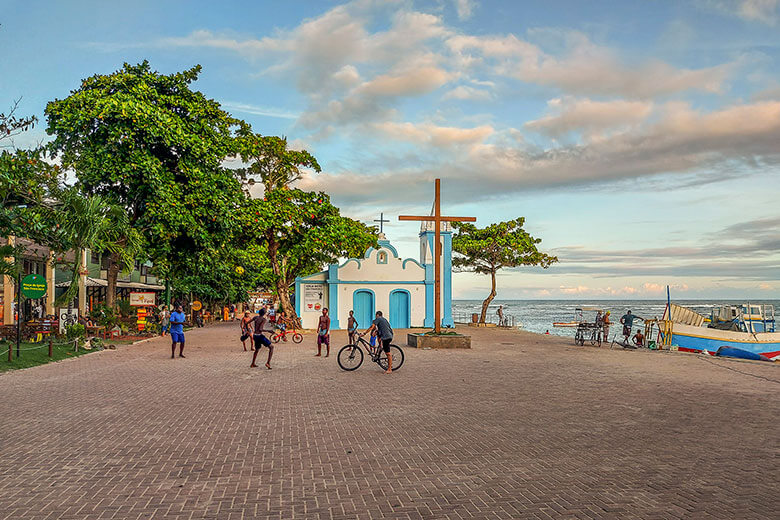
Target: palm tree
<point>92,222</point>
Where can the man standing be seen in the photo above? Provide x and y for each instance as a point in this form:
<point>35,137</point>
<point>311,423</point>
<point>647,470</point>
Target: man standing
<point>323,333</point>
<point>628,321</point>
<point>177,331</point>
<point>605,323</point>
<point>385,334</point>
<point>245,324</point>
<point>500,313</point>
<point>165,317</point>
<point>261,325</point>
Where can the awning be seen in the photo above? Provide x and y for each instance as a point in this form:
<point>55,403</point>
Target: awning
<point>99,282</point>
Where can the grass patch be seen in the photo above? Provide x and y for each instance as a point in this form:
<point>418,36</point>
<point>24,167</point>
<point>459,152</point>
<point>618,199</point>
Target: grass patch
<point>34,354</point>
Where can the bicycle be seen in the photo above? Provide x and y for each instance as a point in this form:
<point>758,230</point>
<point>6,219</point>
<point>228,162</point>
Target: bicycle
<point>595,336</point>
<point>351,356</point>
<point>297,337</point>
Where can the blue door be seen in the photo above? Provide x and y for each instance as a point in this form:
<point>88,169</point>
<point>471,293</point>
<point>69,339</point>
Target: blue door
<point>363,305</point>
<point>399,309</point>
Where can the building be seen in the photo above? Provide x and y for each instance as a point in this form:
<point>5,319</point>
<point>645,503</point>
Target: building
<point>38,259</point>
<point>402,288</point>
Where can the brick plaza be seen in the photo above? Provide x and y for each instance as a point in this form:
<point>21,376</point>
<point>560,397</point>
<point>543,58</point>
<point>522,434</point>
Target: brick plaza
<point>521,426</point>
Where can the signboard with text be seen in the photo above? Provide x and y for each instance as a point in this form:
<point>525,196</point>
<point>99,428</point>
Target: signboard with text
<point>34,286</point>
<point>143,299</point>
<point>313,296</point>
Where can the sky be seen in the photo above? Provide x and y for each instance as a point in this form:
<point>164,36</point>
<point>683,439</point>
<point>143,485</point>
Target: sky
<point>639,139</point>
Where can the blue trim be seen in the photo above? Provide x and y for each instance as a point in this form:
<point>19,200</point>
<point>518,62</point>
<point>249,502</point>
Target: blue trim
<point>408,304</point>
<point>379,257</point>
<point>382,282</point>
<point>712,344</point>
<point>446,253</point>
<point>429,281</point>
<point>298,296</point>
<point>385,244</point>
<point>373,304</point>
<point>333,295</point>
<point>403,264</point>
<point>356,260</point>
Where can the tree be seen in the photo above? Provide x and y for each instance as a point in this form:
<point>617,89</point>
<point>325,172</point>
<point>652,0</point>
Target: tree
<point>302,232</point>
<point>11,124</point>
<point>271,161</point>
<point>92,222</point>
<point>149,143</point>
<point>485,251</point>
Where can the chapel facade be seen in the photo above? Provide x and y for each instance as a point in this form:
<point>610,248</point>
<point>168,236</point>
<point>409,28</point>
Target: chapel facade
<point>402,288</point>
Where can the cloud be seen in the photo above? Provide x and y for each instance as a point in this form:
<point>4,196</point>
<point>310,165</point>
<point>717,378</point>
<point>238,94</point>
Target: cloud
<point>247,108</point>
<point>762,11</point>
<point>463,92</point>
<point>584,68</point>
<point>590,116</point>
<point>437,136</point>
<point>464,8</point>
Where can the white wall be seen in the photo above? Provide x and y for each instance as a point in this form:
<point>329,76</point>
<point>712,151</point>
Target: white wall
<point>382,301</point>
<point>310,318</point>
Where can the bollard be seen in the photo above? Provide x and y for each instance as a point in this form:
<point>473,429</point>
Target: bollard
<point>50,347</point>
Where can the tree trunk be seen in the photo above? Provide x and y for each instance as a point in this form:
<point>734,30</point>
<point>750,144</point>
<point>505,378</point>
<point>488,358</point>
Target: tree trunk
<point>281,285</point>
<point>490,297</point>
<point>112,273</point>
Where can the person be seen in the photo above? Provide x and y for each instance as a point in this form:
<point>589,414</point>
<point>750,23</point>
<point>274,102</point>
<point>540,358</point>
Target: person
<point>281,324</point>
<point>261,325</point>
<point>639,338</point>
<point>245,333</point>
<point>352,325</point>
<point>225,313</point>
<point>628,322</point>
<point>272,313</point>
<point>548,331</point>
<point>605,323</point>
<point>323,333</point>
<point>177,331</point>
<point>232,312</point>
<point>165,317</point>
<point>385,334</point>
<point>500,313</point>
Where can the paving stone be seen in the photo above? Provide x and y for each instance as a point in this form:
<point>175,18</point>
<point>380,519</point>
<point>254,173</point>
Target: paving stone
<point>520,426</point>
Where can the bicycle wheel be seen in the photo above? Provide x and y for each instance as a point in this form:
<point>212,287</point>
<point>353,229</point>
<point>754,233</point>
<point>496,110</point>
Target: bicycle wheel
<point>297,337</point>
<point>350,357</point>
<point>398,358</point>
<point>275,338</point>
<point>593,338</point>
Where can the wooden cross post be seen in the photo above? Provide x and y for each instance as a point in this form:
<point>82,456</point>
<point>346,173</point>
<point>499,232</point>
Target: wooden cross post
<point>381,221</point>
<point>437,218</point>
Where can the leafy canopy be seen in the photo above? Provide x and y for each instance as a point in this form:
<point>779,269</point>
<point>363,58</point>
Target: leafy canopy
<point>505,244</point>
<point>150,143</point>
<point>271,161</point>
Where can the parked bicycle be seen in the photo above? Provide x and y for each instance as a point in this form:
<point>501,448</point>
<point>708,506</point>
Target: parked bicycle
<point>281,335</point>
<point>351,356</point>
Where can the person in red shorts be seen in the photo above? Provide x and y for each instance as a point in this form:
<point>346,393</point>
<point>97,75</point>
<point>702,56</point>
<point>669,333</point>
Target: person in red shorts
<point>323,333</point>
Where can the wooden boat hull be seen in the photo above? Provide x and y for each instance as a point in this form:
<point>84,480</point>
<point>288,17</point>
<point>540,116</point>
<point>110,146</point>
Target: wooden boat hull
<point>689,338</point>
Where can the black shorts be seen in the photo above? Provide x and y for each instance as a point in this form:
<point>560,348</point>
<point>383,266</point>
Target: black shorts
<point>626,330</point>
<point>261,340</point>
<point>386,344</point>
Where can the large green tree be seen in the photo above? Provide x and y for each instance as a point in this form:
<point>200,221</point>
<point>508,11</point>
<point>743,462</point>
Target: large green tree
<point>12,124</point>
<point>495,247</point>
<point>150,143</point>
<point>302,232</point>
<point>271,161</point>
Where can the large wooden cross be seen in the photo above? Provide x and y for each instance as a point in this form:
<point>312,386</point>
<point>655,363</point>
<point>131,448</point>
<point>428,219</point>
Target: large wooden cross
<point>381,221</point>
<point>437,218</point>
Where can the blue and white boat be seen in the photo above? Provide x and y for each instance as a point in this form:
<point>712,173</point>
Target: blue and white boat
<point>749,327</point>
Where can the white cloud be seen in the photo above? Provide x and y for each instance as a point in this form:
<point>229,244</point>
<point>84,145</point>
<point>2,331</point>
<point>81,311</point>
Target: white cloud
<point>463,92</point>
<point>762,11</point>
<point>589,116</point>
<point>464,8</point>
<point>247,108</point>
<point>438,136</point>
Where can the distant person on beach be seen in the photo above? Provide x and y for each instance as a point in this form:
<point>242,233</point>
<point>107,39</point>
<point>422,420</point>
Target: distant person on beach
<point>384,333</point>
<point>261,326</point>
<point>639,338</point>
<point>245,333</point>
<point>352,325</point>
<point>323,333</point>
<point>500,313</point>
<point>605,323</point>
<point>548,331</point>
<point>177,331</point>
<point>628,322</point>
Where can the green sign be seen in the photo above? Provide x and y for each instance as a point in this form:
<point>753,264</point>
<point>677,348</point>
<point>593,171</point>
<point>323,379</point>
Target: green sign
<point>34,286</point>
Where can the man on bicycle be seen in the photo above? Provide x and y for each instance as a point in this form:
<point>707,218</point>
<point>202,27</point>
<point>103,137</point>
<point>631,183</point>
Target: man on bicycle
<point>385,334</point>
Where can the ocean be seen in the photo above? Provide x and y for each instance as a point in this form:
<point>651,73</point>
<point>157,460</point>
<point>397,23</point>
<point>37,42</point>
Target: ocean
<point>539,315</point>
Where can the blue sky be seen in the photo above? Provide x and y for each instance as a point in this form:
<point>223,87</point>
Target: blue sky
<point>641,140</point>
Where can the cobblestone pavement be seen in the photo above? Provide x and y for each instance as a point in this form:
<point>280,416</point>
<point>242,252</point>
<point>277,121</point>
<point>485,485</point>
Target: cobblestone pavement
<point>521,426</point>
